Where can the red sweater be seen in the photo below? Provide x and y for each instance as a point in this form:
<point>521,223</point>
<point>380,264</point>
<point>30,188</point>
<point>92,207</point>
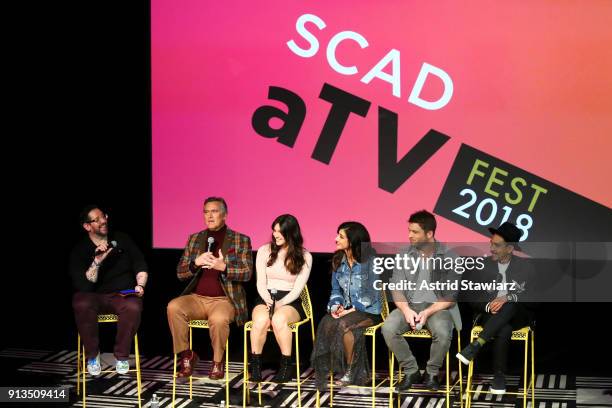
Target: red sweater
<point>209,284</point>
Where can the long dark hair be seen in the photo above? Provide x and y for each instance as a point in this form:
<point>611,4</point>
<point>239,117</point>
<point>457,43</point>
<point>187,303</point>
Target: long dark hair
<point>290,229</point>
<point>358,236</point>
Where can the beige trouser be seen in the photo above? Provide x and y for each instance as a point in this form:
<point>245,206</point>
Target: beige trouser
<point>219,312</point>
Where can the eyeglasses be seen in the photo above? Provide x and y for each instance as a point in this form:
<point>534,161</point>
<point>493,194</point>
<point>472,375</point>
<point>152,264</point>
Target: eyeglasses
<point>98,219</point>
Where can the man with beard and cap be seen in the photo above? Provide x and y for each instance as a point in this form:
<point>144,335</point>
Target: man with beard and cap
<point>435,310</point>
<point>102,265</point>
<point>504,310</point>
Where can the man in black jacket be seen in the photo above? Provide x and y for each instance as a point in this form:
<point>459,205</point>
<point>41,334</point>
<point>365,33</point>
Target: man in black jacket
<point>504,308</point>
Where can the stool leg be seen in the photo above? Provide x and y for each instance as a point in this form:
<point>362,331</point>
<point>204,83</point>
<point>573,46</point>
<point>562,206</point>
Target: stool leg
<point>312,330</point>
<point>259,392</point>
<point>532,369</point>
<point>138,379</point>
<point>391,387</point>
<point>83,378</point>
<point>78,364</point>
<point>468,387</point>
<point>318,401</point>
<point>389,357</point>
<point>297,368</point>
<point>373,370</point>
<point>245,373</point>
<point>447,379</point>
<point>525,362</point>
<point>331,388</point>
<point>174,381</point>
<point>226,373</point>
<point>399,376</point>
<point>193,369</point>
<point>460,371</point>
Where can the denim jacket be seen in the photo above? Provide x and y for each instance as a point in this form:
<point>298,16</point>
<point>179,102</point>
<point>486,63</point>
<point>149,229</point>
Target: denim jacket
<point>354,287</point>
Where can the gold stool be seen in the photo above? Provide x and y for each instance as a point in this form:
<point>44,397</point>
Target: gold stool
<point>371,332</point>
<point>524,335</point>
<point>200,324</point>
<point>426,334</point>
<point>307,306</point>
<point>82,369</point>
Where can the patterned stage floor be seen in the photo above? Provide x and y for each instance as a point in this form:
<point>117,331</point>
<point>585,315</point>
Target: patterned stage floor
<point>50,368</point>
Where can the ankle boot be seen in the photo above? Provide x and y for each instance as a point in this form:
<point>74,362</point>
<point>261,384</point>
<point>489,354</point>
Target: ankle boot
<point>283,374</point>
<point>255,368</point>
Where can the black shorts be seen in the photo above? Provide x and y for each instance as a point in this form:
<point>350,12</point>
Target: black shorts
<point>296,304</point>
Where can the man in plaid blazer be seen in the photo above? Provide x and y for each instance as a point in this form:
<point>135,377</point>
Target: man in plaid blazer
<point>217,260</point>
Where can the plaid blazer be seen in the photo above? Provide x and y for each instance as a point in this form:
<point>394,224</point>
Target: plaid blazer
<point>238,256</point>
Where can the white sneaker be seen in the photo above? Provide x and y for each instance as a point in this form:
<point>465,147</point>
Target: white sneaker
<point>93,365</point>
<point>498,385</point>
<point>122,366</point>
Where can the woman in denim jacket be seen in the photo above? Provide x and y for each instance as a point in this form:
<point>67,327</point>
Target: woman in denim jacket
<point>354,305</point>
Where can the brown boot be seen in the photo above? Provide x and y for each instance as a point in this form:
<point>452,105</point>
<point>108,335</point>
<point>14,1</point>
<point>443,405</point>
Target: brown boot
<point>216,371</point>
<point>188,361</point>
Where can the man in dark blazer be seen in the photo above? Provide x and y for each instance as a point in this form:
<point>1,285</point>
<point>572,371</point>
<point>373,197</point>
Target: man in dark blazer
<point>505,307</point>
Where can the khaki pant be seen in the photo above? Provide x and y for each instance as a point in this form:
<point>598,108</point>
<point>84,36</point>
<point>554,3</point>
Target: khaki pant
<point>219,312</point>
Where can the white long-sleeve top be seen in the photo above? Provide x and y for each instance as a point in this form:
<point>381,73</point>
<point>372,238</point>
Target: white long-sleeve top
<point>278,277</point>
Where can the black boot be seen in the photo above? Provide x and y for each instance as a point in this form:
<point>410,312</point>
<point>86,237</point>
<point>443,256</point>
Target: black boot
<point>255,368</point>
<point>409,380</point>
<point>283,374</point>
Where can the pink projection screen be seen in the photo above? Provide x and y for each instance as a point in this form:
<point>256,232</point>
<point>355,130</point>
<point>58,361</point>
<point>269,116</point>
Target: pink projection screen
<point>481,112</point>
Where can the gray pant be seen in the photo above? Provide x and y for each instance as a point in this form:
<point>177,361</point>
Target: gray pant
<point>440,324</point>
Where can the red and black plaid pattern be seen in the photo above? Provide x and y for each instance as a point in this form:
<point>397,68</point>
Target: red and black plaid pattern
<point>238,256</point>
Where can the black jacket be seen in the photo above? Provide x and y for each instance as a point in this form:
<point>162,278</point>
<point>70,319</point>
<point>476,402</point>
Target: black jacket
<point>520,276</point>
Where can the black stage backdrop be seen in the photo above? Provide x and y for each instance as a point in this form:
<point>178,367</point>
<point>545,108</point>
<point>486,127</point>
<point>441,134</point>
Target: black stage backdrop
<point>83,136</point>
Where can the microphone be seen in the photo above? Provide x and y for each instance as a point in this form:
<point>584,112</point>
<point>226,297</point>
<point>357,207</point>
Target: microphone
<point>211,241</point>
<point>112,244</point>
<point>273,294</point>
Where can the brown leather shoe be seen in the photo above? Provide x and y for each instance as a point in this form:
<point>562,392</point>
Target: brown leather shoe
<point>188,361</point>
<point>216,371</point>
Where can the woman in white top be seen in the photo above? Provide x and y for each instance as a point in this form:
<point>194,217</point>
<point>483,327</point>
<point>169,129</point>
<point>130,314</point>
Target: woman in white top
<point>283,267</point>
